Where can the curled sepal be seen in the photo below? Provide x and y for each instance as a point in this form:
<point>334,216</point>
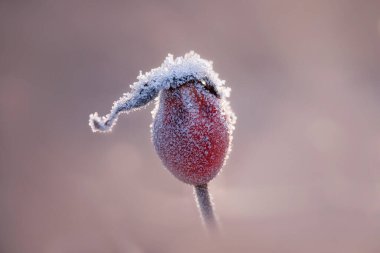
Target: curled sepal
<point>172,74</point>
<point>139,96</point>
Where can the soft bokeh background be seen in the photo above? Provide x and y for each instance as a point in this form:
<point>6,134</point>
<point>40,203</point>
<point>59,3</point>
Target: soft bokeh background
<point>304,174</point>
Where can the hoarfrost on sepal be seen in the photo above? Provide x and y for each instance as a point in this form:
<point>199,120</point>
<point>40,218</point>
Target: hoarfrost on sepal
<point>171,74</point>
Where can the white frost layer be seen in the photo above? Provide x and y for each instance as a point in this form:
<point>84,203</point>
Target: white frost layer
<point>171,74</point>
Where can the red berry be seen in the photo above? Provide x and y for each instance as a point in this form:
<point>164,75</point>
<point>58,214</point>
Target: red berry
<point>191,132</point>
<point>193,122</point>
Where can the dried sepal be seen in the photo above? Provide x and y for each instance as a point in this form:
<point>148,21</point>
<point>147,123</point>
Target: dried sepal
<point>171,74</point>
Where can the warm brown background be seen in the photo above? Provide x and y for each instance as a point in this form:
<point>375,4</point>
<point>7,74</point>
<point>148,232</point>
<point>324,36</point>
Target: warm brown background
<point>304,174</point>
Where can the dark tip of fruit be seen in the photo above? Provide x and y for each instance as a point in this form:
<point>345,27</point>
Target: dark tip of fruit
<point>205,84</point>
<point>210,88</point>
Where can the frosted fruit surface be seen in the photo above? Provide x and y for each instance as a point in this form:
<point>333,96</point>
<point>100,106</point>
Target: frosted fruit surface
<point>191,132</point>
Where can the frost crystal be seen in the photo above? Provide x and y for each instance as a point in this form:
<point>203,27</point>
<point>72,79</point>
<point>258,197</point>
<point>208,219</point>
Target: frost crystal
<point>171,74</point>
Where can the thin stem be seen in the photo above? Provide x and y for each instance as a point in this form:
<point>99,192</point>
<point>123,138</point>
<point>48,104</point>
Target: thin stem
<point>205,206</point>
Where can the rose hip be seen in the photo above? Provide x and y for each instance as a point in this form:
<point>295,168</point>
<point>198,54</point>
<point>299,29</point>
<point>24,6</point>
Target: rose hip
<point>190,133</point>
<point>193,122</point>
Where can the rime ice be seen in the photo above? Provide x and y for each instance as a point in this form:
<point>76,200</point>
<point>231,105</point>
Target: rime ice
<point>192,121</point>
<point>171,74</point>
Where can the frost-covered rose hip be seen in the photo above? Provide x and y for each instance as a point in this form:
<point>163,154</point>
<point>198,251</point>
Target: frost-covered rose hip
<point>190,132</point>
<point>192,121</point>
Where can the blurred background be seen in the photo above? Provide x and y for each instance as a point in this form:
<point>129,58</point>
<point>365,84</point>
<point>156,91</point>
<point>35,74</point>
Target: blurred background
<point>304,172</point>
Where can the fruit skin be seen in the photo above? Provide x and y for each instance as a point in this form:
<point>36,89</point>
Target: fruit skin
<point>190,132</point>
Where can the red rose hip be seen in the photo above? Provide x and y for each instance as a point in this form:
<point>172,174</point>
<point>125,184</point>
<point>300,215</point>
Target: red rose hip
<point>190,133</point>
<point>193,122</point>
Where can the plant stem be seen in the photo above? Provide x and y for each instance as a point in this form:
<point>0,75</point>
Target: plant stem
<point>205,206</point>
